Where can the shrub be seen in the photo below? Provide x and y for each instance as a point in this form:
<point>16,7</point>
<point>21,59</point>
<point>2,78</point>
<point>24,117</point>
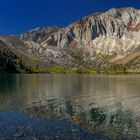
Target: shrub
<point>57,69</point>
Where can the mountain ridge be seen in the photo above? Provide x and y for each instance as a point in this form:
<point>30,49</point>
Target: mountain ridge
<point>99,40</point>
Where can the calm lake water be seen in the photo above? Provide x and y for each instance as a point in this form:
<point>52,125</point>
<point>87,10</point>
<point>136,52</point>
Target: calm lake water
<point>101,104</point>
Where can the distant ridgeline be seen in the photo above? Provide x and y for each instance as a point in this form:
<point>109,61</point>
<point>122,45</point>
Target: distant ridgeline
<point>99,43</point>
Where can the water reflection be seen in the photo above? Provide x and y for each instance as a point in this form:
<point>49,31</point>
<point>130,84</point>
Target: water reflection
<point>106,104</point>
<point>112,121</point>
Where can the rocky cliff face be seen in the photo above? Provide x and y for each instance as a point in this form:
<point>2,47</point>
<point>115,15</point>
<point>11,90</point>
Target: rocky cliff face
<point>39,34</point>
<point>115,34</point>
<point>100,39</point>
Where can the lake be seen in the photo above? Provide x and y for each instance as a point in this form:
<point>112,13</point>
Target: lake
<point>43,106</point>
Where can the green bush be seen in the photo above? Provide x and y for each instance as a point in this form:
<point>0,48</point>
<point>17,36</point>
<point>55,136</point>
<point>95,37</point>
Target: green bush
<point>35,69</point>
<point>87,71</point>
<point>57,69</point>
<point>36,58</point>
<point>61,69</point>
<point>114,69</point>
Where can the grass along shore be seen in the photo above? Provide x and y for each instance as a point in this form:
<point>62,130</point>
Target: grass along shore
<point>114,69</point>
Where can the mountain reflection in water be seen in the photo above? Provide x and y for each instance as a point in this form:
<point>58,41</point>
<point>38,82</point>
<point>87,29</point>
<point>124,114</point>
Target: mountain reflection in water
<point>112,121</point>
<point>108,105</point>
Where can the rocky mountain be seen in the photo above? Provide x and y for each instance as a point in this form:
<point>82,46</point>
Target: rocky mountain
<point>39,34</point>
<point>99,40</point>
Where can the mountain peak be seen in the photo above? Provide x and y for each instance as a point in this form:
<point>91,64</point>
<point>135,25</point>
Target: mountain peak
<point>39,34</point>
<point>96,40</point>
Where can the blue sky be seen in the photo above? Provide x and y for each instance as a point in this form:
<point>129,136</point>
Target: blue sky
<point>17,16</point>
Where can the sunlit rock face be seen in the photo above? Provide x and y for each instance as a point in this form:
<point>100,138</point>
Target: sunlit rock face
<point>39,34</point>
<point>99,40</point>
<point>115,33</point>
